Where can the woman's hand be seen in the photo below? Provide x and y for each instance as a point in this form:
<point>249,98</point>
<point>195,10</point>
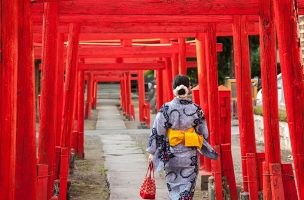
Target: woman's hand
<point>150,158</point>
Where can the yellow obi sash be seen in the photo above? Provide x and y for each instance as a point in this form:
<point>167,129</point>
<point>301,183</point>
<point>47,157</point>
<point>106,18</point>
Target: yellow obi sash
<point>188,137</point>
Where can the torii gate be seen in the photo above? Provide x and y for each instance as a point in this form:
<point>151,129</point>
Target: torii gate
<point>15,135</point>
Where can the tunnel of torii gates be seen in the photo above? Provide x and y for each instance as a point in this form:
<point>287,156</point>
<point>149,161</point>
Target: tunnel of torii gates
<point>104,41</point>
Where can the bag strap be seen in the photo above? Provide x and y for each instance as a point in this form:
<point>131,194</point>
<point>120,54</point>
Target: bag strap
<point>150,171</point>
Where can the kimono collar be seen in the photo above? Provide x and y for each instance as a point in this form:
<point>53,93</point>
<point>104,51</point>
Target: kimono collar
<point>182,101</point>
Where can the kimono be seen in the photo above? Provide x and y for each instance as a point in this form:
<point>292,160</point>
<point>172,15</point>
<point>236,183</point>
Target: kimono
<point>179,162</point>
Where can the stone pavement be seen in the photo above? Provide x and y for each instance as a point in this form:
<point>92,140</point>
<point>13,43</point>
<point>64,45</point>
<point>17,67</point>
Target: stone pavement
<point>125,162</point>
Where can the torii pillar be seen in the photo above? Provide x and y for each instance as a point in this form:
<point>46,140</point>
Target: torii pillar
<point>141,95</point>
<point>26,161</point>
<point>8,93</point>
<point>169,79</point>
<point>122,94</point>
<point>128,94</point>
<point>244,99</point>
<point>182,56</point>
<point>94,95</point>
<point>89,95</point>
<point>60,87</point>
<point>80,114</point>
<point>292,73</point>
<point>70,100</point>
<point>214,117</point>
<point>174,62</point>
<point>273,184</point>
<point>159,89</point>
<point>203,82</point>
<point>47,128</point>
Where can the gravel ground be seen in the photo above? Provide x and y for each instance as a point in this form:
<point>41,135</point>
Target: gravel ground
<point>89,180</point>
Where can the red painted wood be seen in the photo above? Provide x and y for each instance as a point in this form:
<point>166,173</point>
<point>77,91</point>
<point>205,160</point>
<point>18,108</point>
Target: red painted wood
<point>269,83</point>
<point>70,84</point>
<point>138,7</point>
<point>111,36</point>
<point>214,117</point>
<point>128,94</point>
<point>101,78</point>
<point>108,54</point>
<point>217,173</point>
<point>89,94</point>
<point>119,36</point>
<point>94,95</point>
<point>107,19</point>
<point>225,117</point>
<point>8,94</point>
<point>47,128</point>
<point>64,168</point>
<point>135,28</point>
<point>228,170</point>
<point>70,97</point>
<point>117,51</point>
<point>202,79</point>
<point>80,144</point>
<point>174,62</point>
<point>244,96</point>
<point>125,93</point>
<point>57,161</point>
<point>290,191</point>
<point>159,89</point>
<point>300,4</point>
<point>147,115</point>
<point>252,175</point>
<point>212,84</point>
<point>276,181</point>
<point>270,99</point>
<point>74,133</point>
<point>196,100</point>
<point>42,181</point>
<point>169,79</point>
<point>122,94</point>
<point>60,87</point>
<point>26,161</point>
<point>292,75</point>
<point>182,68</point>
<point>122,66</point>
<point>115,59</point>
<point>141,95</point>
<point>267,194</point>
<point>260,160</point>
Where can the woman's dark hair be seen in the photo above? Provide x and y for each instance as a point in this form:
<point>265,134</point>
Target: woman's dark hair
<point>181,80</point>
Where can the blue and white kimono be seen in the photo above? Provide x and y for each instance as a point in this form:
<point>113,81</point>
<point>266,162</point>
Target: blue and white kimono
<point>180,162</point>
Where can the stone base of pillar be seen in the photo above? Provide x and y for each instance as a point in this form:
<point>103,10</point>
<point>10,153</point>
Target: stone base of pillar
<point>244,196</point>
<point>57,186</point>
<point>142,125</point>
<point>204,181</point>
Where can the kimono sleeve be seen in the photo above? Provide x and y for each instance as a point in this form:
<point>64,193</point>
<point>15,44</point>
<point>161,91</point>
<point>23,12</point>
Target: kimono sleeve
<point>157,133</point>
<point>200,124</point>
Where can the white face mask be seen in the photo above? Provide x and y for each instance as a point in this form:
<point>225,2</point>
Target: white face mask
<point>178,88</point>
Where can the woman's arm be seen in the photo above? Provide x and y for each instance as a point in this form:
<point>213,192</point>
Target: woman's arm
<point>200,124</point>
<point>158,131</point>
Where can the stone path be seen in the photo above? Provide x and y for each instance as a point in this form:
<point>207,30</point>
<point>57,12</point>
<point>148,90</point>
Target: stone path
<point>125,162</point>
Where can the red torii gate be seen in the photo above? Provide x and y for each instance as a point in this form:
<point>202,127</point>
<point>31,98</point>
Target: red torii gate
<point>285,21</point>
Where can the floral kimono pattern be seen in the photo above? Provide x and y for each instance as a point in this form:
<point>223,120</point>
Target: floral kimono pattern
<point>179,162</point>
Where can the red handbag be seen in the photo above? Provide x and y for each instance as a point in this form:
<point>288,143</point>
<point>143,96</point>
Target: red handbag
<point>148,188</point>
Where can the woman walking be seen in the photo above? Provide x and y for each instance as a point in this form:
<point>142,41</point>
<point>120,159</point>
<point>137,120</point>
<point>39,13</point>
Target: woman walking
<point>179,130</point>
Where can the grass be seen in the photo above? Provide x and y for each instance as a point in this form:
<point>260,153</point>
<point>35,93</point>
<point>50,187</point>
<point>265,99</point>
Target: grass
<point>102,170</point>
<point>258,110</point>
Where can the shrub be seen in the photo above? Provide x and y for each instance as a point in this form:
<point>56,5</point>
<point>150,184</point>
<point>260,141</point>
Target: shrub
<point>258,110</point>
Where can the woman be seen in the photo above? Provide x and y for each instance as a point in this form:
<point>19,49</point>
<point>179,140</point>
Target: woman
<point>179,130</point>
